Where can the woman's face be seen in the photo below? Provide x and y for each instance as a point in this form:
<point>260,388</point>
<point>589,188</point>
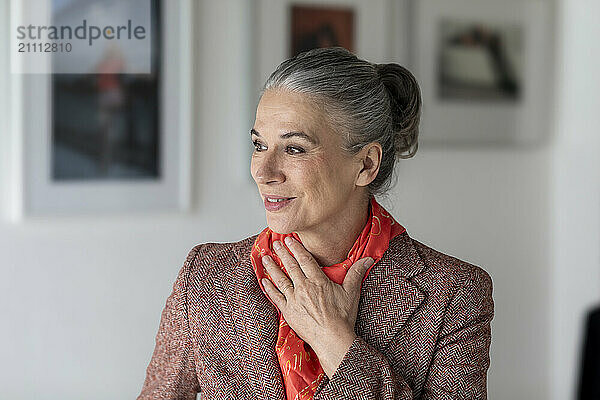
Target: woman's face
<point>299,157</point>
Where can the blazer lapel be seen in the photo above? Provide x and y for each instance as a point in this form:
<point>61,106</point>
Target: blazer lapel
<point>257,319</point>
<point>388,298</point>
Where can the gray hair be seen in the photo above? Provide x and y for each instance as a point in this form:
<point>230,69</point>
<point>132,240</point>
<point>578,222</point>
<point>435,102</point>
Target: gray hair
<point>368,102</point>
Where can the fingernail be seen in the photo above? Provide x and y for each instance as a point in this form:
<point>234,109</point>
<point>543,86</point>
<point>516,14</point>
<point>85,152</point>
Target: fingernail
<point>288,240</point>
<point>277,244</point>
<point>368,262</point>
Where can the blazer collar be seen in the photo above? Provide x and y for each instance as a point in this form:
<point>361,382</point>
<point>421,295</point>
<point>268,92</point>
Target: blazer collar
<point>388,299</point>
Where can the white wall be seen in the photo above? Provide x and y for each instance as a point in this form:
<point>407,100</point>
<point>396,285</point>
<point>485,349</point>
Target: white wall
<point>575,189</point>
<point>83,296</point>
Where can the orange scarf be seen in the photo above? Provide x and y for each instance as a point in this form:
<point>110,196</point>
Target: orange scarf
<point>302,372</point>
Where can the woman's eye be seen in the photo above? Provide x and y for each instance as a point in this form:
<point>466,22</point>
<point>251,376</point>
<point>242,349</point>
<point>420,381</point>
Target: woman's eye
<point>288,149</point>
<point>257,145</point>
<point>294,150</point>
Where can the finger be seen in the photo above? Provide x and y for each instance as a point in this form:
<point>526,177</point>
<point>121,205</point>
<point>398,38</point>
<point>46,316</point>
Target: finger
<point>308,264</point>
<point>355,274</point>
<point>274,294</point>
<point>289,262</point>
<point>282,282</point>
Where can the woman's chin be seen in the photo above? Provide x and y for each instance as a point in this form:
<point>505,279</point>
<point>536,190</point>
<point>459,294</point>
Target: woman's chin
<point>281,228</point>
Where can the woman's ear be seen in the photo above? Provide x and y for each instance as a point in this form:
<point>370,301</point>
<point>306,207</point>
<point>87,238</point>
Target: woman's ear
<point>370,159</point>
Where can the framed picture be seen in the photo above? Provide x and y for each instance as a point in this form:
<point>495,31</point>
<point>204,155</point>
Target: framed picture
<point>285,28</point>
<point>108,130</point>
<point>483,67</point>
<point>321,26</point>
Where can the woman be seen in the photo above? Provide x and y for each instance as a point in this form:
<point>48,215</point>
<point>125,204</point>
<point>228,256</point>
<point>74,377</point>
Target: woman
<point>334,299</point>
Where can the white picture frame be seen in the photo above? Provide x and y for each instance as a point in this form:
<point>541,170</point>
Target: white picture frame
<point>372,36</point>
<point>36,194</point>
<point>448,121</point>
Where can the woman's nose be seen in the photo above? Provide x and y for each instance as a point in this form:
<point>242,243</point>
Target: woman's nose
<point>268,170</point>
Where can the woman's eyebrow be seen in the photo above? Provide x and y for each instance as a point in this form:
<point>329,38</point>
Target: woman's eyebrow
<point>288,135</point>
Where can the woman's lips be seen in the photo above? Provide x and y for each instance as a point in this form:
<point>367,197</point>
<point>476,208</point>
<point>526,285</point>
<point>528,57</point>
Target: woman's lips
<point>278,205</point>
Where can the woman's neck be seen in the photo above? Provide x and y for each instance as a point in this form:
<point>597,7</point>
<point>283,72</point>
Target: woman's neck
<point>330,243</point>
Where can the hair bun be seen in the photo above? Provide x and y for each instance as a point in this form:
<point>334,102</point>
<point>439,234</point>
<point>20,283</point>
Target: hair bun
<point>405,97</point>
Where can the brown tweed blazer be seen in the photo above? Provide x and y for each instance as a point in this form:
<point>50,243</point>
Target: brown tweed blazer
<point>423,329</point>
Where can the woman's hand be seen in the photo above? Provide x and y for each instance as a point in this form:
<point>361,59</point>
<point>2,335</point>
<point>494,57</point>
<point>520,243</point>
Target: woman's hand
<point>321,312</point>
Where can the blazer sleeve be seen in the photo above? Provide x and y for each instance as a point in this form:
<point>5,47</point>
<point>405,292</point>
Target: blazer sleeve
<point>171,373</point>
<point>459,365</point>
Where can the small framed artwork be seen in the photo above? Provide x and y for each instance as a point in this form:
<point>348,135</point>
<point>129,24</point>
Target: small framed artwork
<point>483,67</point>
<point>285,28</point>
<point>316,27</point>
<point>106,127</point>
